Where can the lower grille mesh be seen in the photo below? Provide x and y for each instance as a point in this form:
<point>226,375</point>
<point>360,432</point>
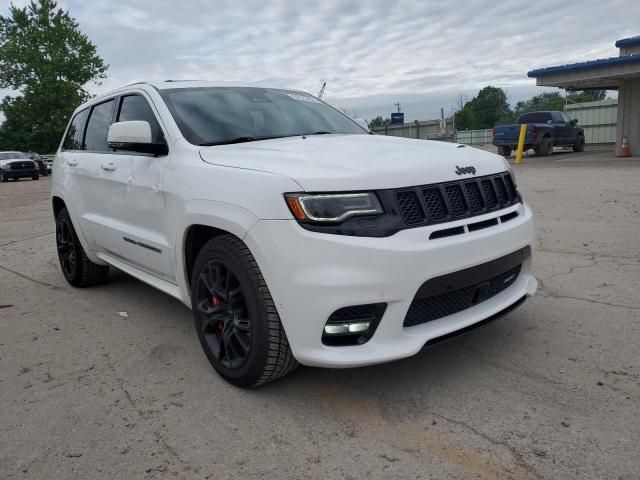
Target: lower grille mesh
<point>424,310</point>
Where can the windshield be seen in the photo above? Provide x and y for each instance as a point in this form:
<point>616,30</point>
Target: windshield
<point>222,115</point>
<point>11,155</point>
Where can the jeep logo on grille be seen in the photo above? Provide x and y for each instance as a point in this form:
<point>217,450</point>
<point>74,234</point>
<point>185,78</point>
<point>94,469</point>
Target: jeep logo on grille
<point>463,170</point>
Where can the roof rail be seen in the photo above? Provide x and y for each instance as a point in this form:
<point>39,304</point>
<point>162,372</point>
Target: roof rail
<point>185,80</point>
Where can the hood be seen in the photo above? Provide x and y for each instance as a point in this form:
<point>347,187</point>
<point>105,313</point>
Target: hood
<point>356,162</point>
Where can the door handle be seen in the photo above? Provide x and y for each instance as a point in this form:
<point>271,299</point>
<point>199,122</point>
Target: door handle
<point>108,166</point>
<point>72,162</point>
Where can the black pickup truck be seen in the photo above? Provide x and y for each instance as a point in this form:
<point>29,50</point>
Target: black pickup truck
<point>545,130</point>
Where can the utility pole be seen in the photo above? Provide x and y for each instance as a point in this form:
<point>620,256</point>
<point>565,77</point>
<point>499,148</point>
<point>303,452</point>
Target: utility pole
<point>397,104</point>
<point>321,94</point>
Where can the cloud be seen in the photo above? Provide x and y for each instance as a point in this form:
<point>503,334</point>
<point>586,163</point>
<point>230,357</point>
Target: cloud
<point>365,49</point>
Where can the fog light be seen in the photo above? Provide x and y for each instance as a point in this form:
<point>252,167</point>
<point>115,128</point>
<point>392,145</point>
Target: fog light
<point>344,328</point>
<point>353,325</point>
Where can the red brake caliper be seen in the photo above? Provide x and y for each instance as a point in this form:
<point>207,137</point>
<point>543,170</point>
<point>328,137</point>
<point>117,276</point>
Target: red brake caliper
<point>215,301</point>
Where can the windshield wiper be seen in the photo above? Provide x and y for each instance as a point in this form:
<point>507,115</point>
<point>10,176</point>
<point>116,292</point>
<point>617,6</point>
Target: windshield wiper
<point>320,133</point>
<point>230,141</point>
<point>242,140</point>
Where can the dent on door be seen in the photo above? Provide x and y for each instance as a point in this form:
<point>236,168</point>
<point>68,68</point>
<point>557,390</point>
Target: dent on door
<point>137,229</point>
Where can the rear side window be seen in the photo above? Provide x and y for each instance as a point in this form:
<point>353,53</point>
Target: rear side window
<point>98,126</point>
<point>535,117</point>
<point>136,107</point>
<point>73,140</point>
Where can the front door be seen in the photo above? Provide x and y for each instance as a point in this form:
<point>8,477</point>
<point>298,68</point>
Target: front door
<point>135,228</point>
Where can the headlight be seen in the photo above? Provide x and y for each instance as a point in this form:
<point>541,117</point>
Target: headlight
<point>332,207</point>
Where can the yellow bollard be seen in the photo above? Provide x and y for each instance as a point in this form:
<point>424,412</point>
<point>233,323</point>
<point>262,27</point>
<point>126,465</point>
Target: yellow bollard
<point>523,133</point>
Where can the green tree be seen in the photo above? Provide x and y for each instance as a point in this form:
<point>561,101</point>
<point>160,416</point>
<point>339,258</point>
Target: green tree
<point>542,102</point>
<point>379,122</point>
<point>47,59</point>
<point>486,110</point>
<point>556,101</point>
<point>586,96</point>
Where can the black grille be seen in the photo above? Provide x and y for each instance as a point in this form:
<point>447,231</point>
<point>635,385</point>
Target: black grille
<point>489,194</point>
<point>442,202</point>
<point>21,166</point>
<point>426,309</point>
<point>410,207</point>
<point>476,204</point>
<point>503,197</point>
<point>434,202</point>
<point>457,201</point>
<point>356,312</point>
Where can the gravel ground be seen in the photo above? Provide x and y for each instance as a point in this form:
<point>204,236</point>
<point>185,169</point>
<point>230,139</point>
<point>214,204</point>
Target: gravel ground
<point>552,391</point>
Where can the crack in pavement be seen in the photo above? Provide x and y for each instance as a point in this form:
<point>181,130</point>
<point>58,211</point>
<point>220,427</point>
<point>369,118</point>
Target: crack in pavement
<point>31,279</point>
<point>160,438</point>
<point>589,300</point>
<point>518,457</point>
<point>27,238</point>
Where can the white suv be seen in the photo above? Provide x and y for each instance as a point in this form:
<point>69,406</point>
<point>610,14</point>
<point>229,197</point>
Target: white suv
<point>293,233</point>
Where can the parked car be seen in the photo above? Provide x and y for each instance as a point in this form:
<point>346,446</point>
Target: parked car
<point>40,162</point>
<point>48,161</point>
<point>292,233</point>
<point>15,165</point>
<point>545,130</point>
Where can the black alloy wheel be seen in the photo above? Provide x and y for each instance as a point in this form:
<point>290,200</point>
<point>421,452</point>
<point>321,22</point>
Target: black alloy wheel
<point>235,317</point>
<point>223,317</point>
<point>77,269</point>
<point>67,244</point>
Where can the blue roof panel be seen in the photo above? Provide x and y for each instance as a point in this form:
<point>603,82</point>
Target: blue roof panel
<point>574,67</point>
<point>628,42</point>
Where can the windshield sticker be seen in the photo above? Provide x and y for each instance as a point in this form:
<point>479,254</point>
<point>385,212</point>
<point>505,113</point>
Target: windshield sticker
<point>304,98</point>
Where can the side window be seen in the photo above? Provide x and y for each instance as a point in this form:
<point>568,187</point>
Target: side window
<point>73,140</point>
<point>98,126</point>
<point>136,107</point>
<point>557,117</point>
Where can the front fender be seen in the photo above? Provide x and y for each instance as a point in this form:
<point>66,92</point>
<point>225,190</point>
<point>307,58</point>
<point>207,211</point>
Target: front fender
<point>224,216</point>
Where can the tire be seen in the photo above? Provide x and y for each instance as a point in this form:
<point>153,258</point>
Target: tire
<point>235,317</point>
<point>579,145</point>
<point>35,177</point>
<point>76,267</point>
<point>504,150</point>
<point>3,179</point>
<point>546,147</point>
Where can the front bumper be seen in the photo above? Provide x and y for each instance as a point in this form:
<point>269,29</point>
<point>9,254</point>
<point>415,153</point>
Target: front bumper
<point>311,275</point>
<point>20,173</point>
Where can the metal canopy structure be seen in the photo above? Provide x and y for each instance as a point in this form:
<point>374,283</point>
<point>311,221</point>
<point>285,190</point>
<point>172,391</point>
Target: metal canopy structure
<point>617,73</point>
<point>606,73</point>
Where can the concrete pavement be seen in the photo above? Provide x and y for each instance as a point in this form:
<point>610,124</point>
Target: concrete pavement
<point>552,391</point>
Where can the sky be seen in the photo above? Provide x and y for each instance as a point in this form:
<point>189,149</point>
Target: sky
<point>372,53</point>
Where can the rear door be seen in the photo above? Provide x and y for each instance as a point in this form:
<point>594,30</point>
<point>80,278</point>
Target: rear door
<point>134,215</point>
<point>562,129</point>
<point>93,184</point>
<point>75,171</point>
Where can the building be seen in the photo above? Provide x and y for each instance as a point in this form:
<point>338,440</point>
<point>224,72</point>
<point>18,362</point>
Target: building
<point>620,73</point>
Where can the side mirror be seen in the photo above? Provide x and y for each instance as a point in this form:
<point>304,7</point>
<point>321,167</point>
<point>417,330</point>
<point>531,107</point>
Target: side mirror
<point>134,136</point>
<point>575,121</point>
<point>363,123</point>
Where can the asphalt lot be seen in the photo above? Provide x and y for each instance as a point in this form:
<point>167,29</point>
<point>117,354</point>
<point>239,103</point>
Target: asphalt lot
<point>553,391</point>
